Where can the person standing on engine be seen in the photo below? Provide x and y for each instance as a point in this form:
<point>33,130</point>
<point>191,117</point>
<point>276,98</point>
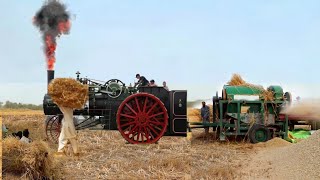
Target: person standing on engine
<point>164,84</point>
<point>205,116</point>
<point>142,81</point>
<point>152,83</point>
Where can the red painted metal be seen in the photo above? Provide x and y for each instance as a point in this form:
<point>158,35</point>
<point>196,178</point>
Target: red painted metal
<point>53,129</point>
<point>142,118</point>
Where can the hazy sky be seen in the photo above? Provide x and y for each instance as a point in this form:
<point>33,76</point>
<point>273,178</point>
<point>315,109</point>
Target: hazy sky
<point>195,45</point>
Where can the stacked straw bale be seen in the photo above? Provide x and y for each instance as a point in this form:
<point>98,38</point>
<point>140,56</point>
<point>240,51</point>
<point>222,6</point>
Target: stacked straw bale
<point>236,80</point>
<point>30,160</point>
<point>67,92</point>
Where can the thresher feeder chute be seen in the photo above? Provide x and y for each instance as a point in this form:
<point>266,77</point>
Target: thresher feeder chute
<point>141,114</point>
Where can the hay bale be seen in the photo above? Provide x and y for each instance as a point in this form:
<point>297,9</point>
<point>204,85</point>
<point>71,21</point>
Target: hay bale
<point>67,92</point>
<point>236,80</point>
<point>32,160</point>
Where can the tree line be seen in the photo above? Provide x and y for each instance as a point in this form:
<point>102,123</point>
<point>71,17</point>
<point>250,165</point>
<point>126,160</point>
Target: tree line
<point>14,105</point>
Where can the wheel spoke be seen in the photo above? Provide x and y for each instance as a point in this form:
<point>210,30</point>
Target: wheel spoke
<point>127,124</point>
<point>146,134</point>
<point>131,108</point>
<point>139,132</point>
<point>157,123</point>
<point>145,104</point>
<point>154,105</point>
<point>155,115</point>
<point>128,116</point>
<point>132,130</point>
<point>138,105</point>
<point>156,119</point>
<point>154,131</point>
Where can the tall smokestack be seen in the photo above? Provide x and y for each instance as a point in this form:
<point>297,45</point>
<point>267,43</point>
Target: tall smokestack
<point>50,75</point>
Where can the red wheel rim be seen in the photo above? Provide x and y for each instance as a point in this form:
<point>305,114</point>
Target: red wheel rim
<point>142,119</point>
<point>53,129</point>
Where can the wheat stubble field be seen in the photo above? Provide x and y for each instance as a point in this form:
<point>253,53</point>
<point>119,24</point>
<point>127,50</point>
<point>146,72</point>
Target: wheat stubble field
<point>105,155</point>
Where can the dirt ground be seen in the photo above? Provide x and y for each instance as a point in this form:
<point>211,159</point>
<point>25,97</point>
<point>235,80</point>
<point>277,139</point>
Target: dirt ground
<point>105,155</point>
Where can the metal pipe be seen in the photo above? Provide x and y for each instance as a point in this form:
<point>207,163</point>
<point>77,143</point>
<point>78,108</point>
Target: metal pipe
<point>50,76</point>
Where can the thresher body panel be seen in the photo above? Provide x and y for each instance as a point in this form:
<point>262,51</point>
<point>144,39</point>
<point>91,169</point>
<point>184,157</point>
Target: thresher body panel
<point>232,91</point>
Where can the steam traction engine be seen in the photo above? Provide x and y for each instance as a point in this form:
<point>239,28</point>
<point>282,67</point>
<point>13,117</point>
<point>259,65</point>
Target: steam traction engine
<point>141,114</point>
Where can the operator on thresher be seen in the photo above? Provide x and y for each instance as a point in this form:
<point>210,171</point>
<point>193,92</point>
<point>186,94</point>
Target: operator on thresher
<point>205,116</point>
<point>142,81</point>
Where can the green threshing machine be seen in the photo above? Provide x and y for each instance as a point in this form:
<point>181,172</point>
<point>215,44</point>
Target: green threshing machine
<point>244,111</point>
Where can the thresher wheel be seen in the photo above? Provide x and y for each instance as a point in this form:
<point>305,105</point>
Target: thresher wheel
<point>259,133</point>
<point>53,128</point>
<point>142,119</point>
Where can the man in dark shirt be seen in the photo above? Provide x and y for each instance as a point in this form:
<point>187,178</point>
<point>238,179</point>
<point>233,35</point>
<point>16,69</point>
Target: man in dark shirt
<point>142,81</point>
<point>205,116</point>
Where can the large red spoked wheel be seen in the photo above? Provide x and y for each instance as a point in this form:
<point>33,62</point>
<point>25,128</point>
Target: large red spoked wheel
<point>142,119</point>
<point>53,128</point>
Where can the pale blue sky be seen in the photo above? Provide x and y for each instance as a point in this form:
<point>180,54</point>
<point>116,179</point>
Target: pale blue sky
<point>194,45</point>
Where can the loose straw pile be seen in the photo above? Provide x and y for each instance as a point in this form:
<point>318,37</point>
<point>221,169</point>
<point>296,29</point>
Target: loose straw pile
<point>31,160</point>
<point>67,92</point>
<point>237,80</point>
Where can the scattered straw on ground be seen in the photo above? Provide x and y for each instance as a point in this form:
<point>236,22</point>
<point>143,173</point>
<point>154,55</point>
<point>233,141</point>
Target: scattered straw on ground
<point>275,142</point>
<point>67,92</point>
<point>296,161</point>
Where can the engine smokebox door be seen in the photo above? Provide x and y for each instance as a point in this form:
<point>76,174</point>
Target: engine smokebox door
<point>178,112</point>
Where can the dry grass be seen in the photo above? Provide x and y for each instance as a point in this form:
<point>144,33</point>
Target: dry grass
<point>20,112</point>
<point>104,155</point>
<point>67,92</point>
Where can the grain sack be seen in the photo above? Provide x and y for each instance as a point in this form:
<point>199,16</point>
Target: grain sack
<point>32,160</point>
<point>67,92</point>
